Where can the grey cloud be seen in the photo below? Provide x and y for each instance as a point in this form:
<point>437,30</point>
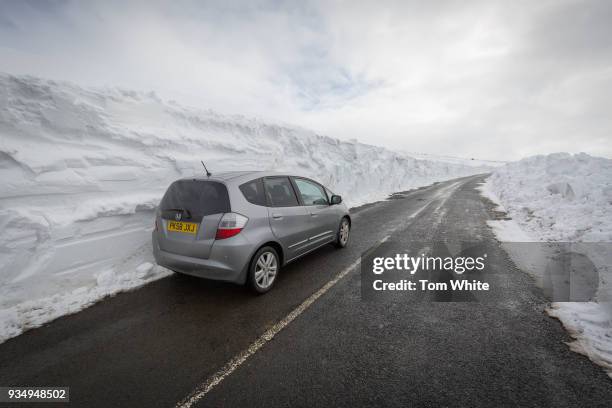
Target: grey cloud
<point>490,79</point>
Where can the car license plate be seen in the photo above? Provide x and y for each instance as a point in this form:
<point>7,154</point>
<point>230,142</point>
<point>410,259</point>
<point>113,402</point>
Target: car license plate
<point>186,227</point>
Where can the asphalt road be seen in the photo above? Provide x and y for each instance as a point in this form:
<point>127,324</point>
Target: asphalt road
<point>154,346</point>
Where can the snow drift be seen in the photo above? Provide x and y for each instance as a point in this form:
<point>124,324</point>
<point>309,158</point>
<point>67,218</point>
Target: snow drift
<point>564,198</point>
<point>83,169</point>
<point>559,197</point>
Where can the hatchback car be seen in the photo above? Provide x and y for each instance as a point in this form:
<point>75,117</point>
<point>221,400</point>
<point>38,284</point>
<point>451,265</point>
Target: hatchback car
<point>242,227</point>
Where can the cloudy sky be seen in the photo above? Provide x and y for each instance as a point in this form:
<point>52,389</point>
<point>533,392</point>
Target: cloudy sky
<point>486,79</point>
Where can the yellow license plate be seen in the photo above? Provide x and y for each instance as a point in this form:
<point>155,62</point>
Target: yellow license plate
<point>179,226</point>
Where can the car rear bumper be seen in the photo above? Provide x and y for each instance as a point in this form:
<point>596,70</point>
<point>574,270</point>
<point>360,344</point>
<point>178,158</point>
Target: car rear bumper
<point>226,262</point>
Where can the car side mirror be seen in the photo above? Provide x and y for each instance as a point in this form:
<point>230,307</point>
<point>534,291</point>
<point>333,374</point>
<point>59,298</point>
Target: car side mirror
<point>336,199</point>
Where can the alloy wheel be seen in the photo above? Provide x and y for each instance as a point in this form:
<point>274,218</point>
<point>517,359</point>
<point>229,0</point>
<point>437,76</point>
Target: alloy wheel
<point>344,232</point>
<point>265,270</point>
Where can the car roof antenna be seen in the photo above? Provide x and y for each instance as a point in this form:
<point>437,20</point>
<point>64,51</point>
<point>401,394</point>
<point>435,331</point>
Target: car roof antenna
<point>208,173</point>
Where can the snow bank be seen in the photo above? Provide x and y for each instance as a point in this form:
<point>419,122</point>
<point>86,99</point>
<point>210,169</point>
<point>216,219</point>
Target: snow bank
<point>563,198</point>
<point>456,160</point>
<point>559,197</point>
<point>83,169</point>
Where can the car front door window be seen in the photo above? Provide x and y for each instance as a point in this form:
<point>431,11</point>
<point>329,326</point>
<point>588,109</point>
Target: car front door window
<point>311,193</point>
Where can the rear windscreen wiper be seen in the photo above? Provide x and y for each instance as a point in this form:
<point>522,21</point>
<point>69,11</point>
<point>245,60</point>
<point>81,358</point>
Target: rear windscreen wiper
<point>181,210</point>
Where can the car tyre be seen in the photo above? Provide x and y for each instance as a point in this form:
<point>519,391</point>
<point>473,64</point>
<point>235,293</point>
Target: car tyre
<point>264,269</point>
<point>343,234</point>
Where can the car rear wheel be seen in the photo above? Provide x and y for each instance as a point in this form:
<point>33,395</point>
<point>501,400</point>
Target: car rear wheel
<point>264,269</point>
<point>344,231</point>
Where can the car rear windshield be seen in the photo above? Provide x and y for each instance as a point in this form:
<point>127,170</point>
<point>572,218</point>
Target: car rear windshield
<point>195,199</point>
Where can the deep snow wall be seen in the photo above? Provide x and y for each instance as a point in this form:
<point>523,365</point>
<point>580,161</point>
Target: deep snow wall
<point>558,197</point>
<point>83,169</point>
<point>563,198</point>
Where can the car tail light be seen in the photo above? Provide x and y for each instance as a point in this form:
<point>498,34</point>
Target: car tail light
<point>231,224</point>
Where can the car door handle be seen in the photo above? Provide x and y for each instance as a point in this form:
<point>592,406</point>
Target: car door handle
<point>277,216</point>
<point>313,214</point>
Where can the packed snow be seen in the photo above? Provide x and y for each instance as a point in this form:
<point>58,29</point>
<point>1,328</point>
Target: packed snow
<point>456,160</point>
<point>559,197</point>
<point>563,198</point>
<point>83,169</point>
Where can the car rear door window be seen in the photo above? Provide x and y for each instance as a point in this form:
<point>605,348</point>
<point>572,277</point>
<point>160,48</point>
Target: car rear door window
<point>279,192</point>
<point>311,192</point>
<point>195,199</point>
<point>254,193</point>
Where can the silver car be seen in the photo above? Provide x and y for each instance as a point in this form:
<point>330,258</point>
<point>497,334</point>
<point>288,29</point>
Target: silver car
<point>243,226</point>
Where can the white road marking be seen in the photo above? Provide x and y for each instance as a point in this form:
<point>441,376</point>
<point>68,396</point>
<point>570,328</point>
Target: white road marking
<point>442,194</point>
<point>446,194</point>
<point>269,334</point>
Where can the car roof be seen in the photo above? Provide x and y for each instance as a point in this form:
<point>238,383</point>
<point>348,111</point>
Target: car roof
<point>237,176</point>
